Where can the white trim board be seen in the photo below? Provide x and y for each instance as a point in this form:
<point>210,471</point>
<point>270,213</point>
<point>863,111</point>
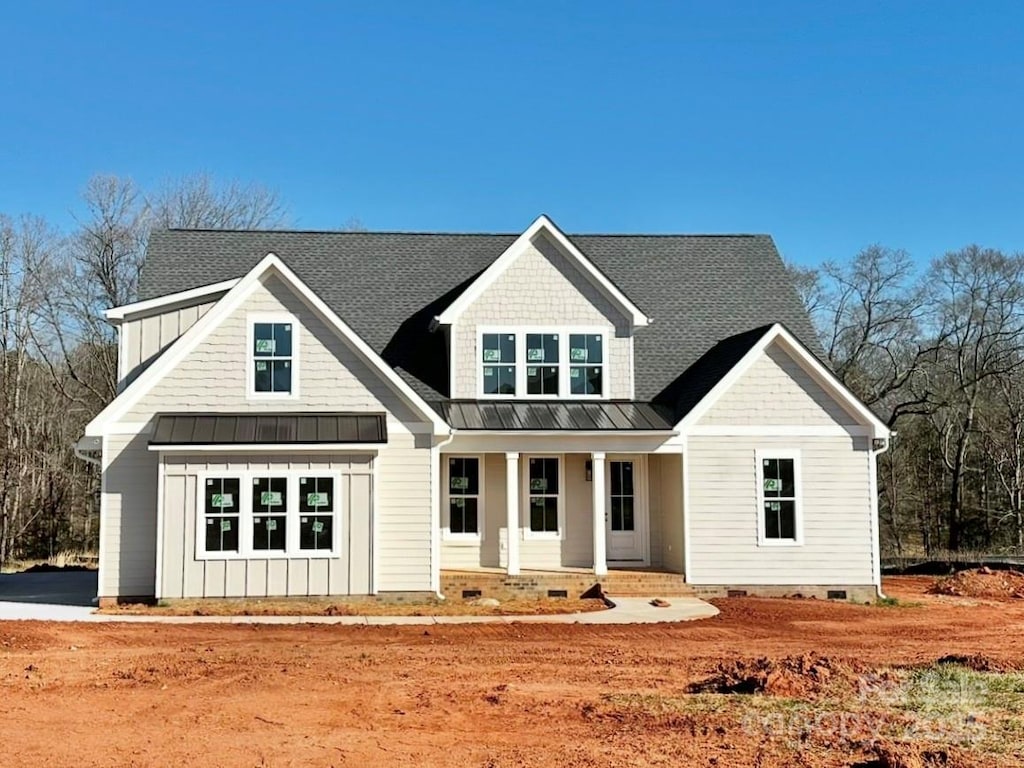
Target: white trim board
<point>778,430</point>
<point>164,303</point>
<point>814,368</point>
<point>543,225</point>
<point>230,302</point>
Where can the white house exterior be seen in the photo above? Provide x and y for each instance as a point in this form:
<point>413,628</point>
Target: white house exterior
<point>355,413</point>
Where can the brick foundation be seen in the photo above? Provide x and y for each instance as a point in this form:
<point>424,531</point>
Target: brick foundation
<point>857,593</point>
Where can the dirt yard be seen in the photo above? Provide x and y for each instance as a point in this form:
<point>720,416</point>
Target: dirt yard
<point>867,690</point>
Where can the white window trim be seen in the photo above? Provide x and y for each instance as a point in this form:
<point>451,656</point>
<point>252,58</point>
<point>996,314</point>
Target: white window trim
<point>245,525</point>
<point>521,364</point>
<point>524,504</point>
<point>251,319</point>
<point>780,453</point>
<point>446,532</point>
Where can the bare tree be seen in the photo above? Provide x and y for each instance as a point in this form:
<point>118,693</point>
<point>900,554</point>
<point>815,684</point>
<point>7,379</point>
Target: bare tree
<point>198,201</point>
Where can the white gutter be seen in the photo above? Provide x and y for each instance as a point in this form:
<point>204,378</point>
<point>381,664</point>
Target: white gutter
<point>876,548</point>
<point>435,514</point>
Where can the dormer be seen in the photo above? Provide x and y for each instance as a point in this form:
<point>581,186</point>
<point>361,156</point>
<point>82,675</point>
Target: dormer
<point>542,322</point>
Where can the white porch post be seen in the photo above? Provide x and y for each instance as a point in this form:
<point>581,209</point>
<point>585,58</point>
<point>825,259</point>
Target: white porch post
<point>512,511</point>
<point>597,486</point>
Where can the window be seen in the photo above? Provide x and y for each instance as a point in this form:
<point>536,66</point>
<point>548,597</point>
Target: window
<point>464,496</point>
<point>779,479</point>
<point>543,495</point>
<point>499,363</point>
<point>269,513</point>
<point>586,364</point>
<point>276,514</point>
<point>220,514</point>
<point>542,364</point>
<point>272,358</point>
<point>622,495</point>
<point>316,513</point>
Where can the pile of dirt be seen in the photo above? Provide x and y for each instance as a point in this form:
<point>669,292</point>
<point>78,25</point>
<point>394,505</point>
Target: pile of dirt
<point>807,676</point>
<point>901,754</point>
<point>984,583</point>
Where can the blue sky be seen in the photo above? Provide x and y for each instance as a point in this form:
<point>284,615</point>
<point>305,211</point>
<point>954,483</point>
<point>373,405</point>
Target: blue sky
<point>829,125</point>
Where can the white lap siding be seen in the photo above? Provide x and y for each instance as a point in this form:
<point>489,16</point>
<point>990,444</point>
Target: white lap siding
<point>128,524</point>
<point>723,515</point>
<point>405,514</point>
<point>185,575</point>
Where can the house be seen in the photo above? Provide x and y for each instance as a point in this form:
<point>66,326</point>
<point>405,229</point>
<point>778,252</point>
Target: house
<point>348,413</point>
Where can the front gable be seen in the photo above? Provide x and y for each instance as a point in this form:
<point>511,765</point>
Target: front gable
<point>214,376</point>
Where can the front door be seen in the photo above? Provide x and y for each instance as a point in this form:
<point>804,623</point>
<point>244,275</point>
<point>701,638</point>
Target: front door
<point>626,513</point>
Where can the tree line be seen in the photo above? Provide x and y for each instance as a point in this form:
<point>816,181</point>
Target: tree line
<point>58,356</point>
<point>937,351</point>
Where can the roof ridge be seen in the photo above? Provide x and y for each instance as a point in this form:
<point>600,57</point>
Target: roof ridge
<point>442,233</point>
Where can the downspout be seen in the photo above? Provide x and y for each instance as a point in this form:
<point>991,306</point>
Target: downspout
<point>435,514</point>
<point>876,549</point>
<point>81,454</point>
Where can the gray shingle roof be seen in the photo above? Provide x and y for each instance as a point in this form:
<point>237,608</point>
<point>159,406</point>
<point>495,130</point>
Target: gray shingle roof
<point>699,289</point>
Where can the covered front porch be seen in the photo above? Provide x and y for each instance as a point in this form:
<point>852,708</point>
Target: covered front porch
<point>584,514</point>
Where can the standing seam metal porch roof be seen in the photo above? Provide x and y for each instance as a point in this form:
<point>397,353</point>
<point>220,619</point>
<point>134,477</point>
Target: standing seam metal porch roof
<point>268,428</point>
<point>698,289</point>
<point>553,415</point>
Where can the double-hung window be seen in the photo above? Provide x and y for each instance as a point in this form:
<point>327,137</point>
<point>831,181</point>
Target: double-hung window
<point>779,479</point>
<point>272,354</point>
<point>270,514</point>
<point>586,364</point>
<point>499,363</point>
<point>464,496</point>
<point>542,364</point>
<point>543,490</point>
<point>220,521</point>
<point>316,513</point>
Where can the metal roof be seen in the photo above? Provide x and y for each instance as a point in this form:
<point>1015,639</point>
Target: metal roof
<point>268,428</point>
<point>553,415</point>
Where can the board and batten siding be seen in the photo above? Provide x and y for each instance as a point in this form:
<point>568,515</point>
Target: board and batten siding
<point>128,509</point>
<point>185,576</point>
<point>143,339</point>
<point>214,375</point>
<point>542,287</point>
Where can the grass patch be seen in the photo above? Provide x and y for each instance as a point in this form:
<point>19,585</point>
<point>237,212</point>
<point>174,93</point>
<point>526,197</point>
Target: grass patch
<point>66,560</point>
<point>895,602</point>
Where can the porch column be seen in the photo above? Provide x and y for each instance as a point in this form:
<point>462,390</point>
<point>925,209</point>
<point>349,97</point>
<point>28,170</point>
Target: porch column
<point>598,489</point>
<point>512,511</point>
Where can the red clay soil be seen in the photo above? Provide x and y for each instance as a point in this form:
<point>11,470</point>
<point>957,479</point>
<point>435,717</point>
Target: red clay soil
<point>491,695</point>
<point>983,583</point>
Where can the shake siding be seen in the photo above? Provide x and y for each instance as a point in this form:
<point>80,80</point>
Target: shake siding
<point>214,376</point>
<point>543,288</point>
<point>836,513</point>
<point>128,527</point>
<point>776,390</point>
<point>145,338</point>
<point>186,576</point>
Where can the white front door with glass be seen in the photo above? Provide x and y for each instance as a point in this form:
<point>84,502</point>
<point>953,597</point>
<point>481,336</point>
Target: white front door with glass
<point>625,513</point>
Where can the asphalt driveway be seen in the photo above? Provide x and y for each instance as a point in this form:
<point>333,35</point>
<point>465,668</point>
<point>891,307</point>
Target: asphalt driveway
<point>49,588</point>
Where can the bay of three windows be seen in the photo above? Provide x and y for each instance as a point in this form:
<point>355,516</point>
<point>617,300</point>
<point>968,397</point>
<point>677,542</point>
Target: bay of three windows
<point>552,364</point>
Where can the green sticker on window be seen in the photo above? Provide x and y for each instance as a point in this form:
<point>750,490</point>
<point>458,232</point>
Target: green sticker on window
<point>260,365</point>
<point>317,500</point>
<point>318,527</point>
<point>535,355</point>
<point>222,500</point>
<point>265,346</point>
<point>488,372</point>
<point>539,484</point>
<point>492,356</point>
<point>574,373</point>
<point>459,483</point>
<point>225,525</point>
<point>774,506</point>
<point>578,355</point>
<point>270,498</point>
<point>458,503</point>
<point>531,371</point>
<point>772,484</point>
<point>271,524</point>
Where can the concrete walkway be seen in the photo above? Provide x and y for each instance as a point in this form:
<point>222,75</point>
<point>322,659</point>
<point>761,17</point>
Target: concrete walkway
<point>627,610</point>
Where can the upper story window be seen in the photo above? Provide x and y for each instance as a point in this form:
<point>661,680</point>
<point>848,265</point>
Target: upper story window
<point>272,357</point>
<point>499,363</point>
<point>541,363</point>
